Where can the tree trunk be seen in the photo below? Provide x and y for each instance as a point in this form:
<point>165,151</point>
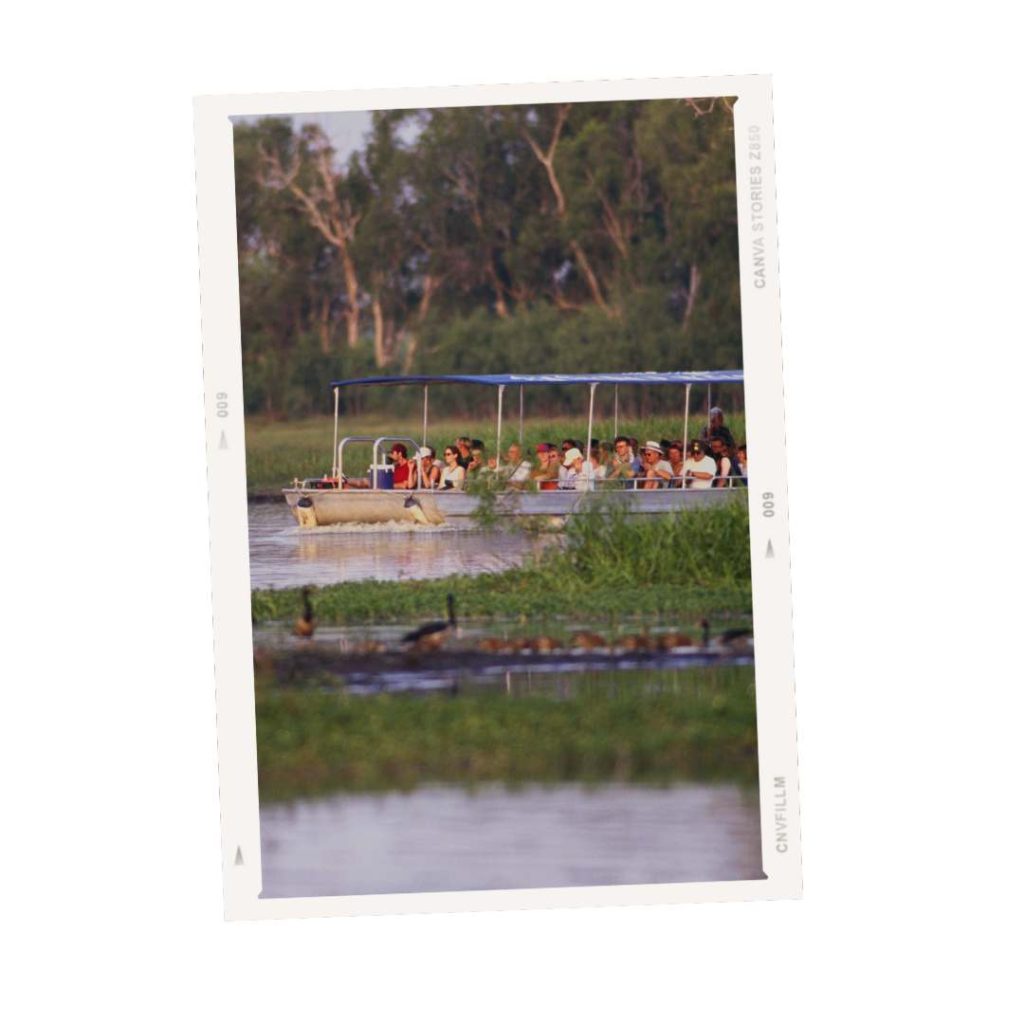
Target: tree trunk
<point>691,295</point>
<point>352,291</point>
<point>379,357</point>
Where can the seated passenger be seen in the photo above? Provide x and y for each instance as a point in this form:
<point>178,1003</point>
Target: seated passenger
<point>741,462</point>
<point>464,454</point>
<point>428,471</point>
<point>546,475</point>
<point>598,468</point>
<point>476,456</point>
<point>453,476</point>
<point>514,467</point>
<point>579,473</point>
<point>699,468</point>
<point>404,474</point>
<point>657,472</point>
<point>623,460</point>
<point>675,460</point>
<point>723,463</point>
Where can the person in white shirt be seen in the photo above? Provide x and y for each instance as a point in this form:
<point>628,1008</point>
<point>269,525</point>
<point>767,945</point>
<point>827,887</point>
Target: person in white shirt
<point>579,473</point>
<point>656,470</point>
<point>699,468</point>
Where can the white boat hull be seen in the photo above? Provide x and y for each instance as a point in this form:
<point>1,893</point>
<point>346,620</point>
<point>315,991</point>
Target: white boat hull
<point>436,508</point>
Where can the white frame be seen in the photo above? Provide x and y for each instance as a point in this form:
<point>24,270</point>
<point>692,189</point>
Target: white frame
<point>762,364</point>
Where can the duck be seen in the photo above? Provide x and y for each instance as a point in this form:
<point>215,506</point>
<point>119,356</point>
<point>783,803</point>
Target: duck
<point>635,642</point>
<point>305,625</point>
<point>542,644</point>
<point>585,641</point>
<point>431,635</point>
<point>736,641</point>
<point>365,647</point>
<point>492,645</point>
<point>671,640</point>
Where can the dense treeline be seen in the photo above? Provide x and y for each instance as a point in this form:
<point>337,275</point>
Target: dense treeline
<point>570,238</point>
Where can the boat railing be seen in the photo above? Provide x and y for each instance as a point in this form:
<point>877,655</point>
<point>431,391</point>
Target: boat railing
<point>376,464</point>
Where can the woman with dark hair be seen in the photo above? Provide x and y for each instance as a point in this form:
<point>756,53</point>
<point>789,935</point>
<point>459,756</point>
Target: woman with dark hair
<point>453,476</point>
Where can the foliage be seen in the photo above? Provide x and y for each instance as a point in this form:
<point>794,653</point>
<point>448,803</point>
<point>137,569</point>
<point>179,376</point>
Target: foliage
<point>594,236</point>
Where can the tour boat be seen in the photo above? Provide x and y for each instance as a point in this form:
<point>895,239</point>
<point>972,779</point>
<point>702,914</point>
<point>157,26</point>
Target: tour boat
<point>369,498</point>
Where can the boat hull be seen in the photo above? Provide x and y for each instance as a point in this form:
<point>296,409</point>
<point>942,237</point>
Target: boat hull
<point>332,507</point>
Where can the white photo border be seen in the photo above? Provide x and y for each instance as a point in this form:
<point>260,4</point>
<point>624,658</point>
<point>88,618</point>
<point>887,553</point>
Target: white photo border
<point>229,555</point>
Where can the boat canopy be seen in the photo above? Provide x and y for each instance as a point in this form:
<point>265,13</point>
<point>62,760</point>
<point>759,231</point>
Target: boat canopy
<point>505,379</point>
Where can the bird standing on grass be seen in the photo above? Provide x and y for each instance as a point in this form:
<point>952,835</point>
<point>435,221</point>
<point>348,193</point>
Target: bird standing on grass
<point>431,635</point>
<point>305,625</point>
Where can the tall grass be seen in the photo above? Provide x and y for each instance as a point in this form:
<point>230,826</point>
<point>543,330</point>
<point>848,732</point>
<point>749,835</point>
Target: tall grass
<point>700,726</point>
<point>694,562</point>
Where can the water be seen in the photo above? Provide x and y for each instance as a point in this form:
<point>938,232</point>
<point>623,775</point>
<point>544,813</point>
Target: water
<point>281,554</point>
<point>439,838</point>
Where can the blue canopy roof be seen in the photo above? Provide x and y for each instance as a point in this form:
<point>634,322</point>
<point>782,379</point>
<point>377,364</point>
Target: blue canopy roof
<point>495,379</point>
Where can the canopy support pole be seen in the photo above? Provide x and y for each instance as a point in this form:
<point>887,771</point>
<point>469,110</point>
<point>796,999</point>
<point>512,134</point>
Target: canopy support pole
<point>334,450</point>
<point>615,429</point>
<point>709,411</point>
<point>590,424</point>
<point>497,454</point>
<point>426,388</point>
<point>686,426</point>
<point>520,418</point>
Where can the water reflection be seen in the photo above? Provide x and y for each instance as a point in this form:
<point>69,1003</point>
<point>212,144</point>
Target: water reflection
<point>283,555</point>
<point>440,838</point>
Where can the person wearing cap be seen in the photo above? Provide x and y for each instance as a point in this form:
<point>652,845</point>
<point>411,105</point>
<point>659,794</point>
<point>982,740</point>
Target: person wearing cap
<point>546,475</point>
<point>699,468</point>
<point>715,427</point>
<point>578,472</point>
<point>428,472</point>
<point>404,476</point>
<point>657,472</point>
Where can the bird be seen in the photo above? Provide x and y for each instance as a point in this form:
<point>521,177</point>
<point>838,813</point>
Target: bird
<point>584,641</point>
<point>305,625</point>
<point>736,641</point>
<point>493,645</point>
<point>544,644</point>
<point>431,635</point>
<point>670,641</point>
<point>705,633</point>
<point>636,642</point>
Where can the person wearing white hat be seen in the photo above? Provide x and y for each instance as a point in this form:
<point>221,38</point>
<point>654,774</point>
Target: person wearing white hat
<point>657,471</point>
<point>428,472</point>
<point>579,473</point>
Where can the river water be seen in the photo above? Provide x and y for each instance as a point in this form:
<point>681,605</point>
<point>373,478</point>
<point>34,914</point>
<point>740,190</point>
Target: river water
<point>281,554</point>
<point>440,838</point>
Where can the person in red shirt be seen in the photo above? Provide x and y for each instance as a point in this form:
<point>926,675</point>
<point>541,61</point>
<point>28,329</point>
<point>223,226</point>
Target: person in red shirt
<point>403,476</point>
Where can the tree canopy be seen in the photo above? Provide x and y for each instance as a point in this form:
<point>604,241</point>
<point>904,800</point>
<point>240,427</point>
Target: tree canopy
<point>559,237</point>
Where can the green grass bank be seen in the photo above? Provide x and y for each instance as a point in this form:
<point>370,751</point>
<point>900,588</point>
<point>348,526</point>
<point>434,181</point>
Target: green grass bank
<point>700,726</point>
<point>689,563</point>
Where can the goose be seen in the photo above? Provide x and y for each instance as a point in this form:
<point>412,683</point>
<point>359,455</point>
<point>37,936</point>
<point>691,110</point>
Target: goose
<point>305,625</point>
<point>431,635</point>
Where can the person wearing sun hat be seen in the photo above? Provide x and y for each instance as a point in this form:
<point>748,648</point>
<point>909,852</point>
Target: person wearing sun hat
<point>657,471</point>
<point>578,472</point>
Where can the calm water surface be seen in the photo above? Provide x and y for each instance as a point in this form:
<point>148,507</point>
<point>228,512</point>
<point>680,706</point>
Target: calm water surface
<point>438,839</point>
<point>281,554</point>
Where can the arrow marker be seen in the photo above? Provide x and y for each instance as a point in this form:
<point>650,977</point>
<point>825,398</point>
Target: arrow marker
<point>238,858</point>
<point>223,441</point>
<point>770,553</point>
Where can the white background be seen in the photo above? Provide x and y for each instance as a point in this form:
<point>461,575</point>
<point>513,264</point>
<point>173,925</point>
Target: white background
<point>899,159</point>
